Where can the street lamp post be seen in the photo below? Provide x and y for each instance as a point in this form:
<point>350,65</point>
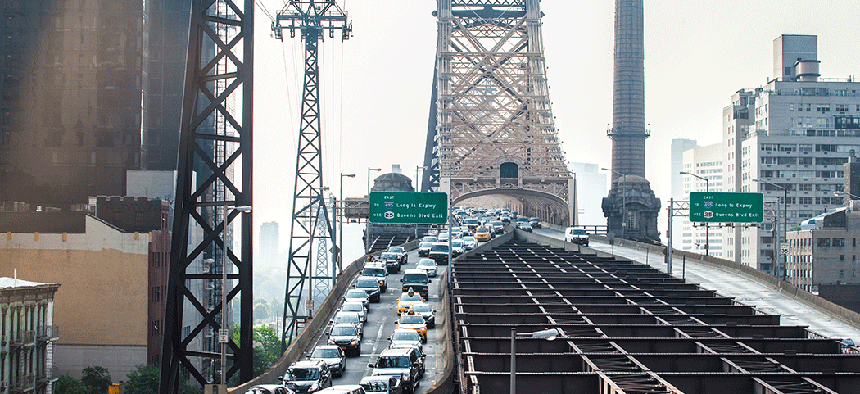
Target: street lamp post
<point>780,263</point>
<point>707,185</point>
<point>548,335</point>
<point>224,334</point>
<point>340,219</point>
<point>843,194</point>
<point>368,182</point>
<point>623,201</point>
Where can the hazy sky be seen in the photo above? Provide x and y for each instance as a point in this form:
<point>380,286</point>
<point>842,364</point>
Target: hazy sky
<point>377,84</point>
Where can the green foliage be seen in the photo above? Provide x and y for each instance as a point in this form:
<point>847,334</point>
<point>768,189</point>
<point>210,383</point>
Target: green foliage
<point>143,380</point>
<point>68,385</point>
<point>96,379</point>
<point>267,348</point>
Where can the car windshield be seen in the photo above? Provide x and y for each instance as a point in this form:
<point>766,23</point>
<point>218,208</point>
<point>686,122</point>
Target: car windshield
<point>388,256</point>
<point>421,308</point>
<point>429,263</point>
<point>482,230</point>
<point>377,386</point>
<point>395,249</point>
<point>405,335</point>
<point>352,307</point>
<point>439,248</point>
<point>578,232</point>
<point>415,278</point>
<point>431,239</point>
<point>294,374</point>
<point>367,283</point>
<point>343,331</point>
<point>325,353</point>
<point>469,239</point>
<point>425,245</point>
<point>457,244</point>
<point>413,297</point>
<point>347,318</point>
<point>356,294</point>
<point>374,272</point>
<point>393,362</point>
<point>412,319</point>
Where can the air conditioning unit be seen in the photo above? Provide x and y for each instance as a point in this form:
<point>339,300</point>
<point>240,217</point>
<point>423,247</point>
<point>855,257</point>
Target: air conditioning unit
<point>4,386</point>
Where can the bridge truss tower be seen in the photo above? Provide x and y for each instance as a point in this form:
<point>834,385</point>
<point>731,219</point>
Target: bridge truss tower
<point>494,126</point>
<point>216,135</point>
<point>311,19</point>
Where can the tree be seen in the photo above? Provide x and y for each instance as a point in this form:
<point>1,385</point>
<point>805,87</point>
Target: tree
<point>68,385</point>
<point>96,379</point>
<point>267,349</point>
<point>143,380</point>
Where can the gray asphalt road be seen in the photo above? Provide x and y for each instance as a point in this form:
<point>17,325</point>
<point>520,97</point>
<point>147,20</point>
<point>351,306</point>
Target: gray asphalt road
<point>380,324</point>
<point>747,291</point>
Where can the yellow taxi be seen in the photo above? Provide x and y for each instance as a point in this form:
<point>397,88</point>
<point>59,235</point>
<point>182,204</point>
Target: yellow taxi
<point>407,298</point>
<point>482,234</point>
<point>414,321</point>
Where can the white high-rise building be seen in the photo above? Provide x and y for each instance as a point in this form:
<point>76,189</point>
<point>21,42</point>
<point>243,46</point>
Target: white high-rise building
<point>789,137</point>
<point>591,187</point>
<point>707,165</point>
<point>679,146</point>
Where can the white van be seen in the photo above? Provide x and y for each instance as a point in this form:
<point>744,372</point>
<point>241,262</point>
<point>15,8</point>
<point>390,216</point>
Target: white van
<point>576,235</point>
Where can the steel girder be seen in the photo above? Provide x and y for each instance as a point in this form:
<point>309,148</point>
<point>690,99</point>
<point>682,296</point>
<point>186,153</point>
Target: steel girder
<point>493,104</point>
<point>216,133</point>
<point>626,328</point>
<point>311,19</point>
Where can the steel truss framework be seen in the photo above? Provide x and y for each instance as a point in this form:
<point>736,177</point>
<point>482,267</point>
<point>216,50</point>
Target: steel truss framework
<point>492,103</point>
<point>216,130</point>
<point>625,328</point>
<point>310,18</point>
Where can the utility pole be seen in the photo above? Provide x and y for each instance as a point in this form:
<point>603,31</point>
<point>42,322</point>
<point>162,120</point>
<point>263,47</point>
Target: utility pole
<point>310,18</point>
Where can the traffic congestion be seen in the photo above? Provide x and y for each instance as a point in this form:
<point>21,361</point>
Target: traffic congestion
<point>383,337</point>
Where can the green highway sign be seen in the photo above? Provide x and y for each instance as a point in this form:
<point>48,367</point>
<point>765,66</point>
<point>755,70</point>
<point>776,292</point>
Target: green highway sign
<point>408,208</point>
<point>722,207</point>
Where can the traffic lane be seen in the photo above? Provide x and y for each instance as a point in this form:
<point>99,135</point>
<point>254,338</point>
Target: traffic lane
<point>380,325</point>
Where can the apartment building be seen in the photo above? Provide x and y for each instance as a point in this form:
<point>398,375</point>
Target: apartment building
<point>706,166</point>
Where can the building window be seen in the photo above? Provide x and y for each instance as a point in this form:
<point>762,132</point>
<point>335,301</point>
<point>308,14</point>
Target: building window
<point>823,242</point>
<point>839,242</point>
<point>841,273</point>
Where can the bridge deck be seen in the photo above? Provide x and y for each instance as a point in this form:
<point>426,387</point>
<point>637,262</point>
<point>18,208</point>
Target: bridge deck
<point>625,327</point>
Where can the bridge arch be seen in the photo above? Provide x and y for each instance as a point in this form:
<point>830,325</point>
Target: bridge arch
<point>533,203</point>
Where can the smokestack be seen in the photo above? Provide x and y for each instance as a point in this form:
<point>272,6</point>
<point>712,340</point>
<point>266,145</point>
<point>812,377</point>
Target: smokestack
<point>628,102</point>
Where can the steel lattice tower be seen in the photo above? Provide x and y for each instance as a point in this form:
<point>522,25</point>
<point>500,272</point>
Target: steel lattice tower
<point>492,103</point>
<point>311,18</point>
<point>218,80</point>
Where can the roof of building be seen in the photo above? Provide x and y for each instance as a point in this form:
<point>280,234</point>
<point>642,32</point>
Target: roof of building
<point>11,282</point>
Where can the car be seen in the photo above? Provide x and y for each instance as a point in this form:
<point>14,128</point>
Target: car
<point>416,355</point>
<point>470,242</point>
<point>370,286</point>
<point>576,235</point>
<point>535,222</point>
<point>482,234</point>
<point>414,322</point>
<point>505,218</point>
<point>357,295</point>
<point>378,272</point>
<point>524,226</point>
<point>456,232</point>
<point>405,337</point>
<point>333,356</point>
<point>397,363</point>
<point>348,317</point>
<point>428,265</point>
<point>401,253</point>
<point>424,248</point>
<point>381,384</point>
<point>498,227</point>
<point>406,300</point>
<point>457,247</point>
<point>416,280</point>
<point>471,224</point>
<point>269,389</point>
<point>426,311</point>
<point>356,307</point>
<point>522,220</point>
<point>307,376</point>
<point>439,253</point>
<point>391,261</point>
<point>344,389</point>
<point>443,237</point>
<point>346,337</point>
